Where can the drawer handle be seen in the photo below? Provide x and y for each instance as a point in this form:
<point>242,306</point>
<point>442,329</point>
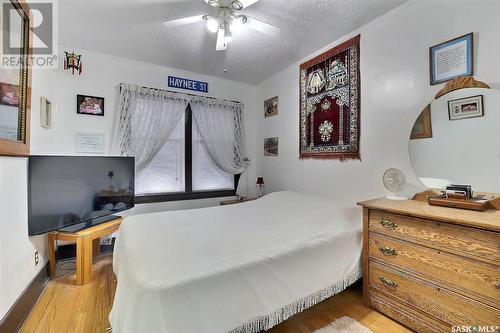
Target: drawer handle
<point>388,224</point>
<point>388,282</point>
<point>497,285</point>
<point>388,251</point>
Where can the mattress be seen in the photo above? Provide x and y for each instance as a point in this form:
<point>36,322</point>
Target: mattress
<point>237,268</point>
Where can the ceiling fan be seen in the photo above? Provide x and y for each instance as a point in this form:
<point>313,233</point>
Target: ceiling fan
<point>226,17</point>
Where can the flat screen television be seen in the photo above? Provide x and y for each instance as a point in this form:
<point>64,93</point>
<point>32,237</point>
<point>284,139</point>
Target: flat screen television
<point>71,193</point>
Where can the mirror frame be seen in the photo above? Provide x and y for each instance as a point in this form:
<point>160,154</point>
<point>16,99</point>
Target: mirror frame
<point>21,147</point>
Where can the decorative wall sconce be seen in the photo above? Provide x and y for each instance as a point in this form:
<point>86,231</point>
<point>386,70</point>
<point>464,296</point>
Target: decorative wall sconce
<point>73,61</point>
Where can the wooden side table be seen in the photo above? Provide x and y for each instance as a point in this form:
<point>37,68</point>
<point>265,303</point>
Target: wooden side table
<point>87,246</point>
<point>236,201</point>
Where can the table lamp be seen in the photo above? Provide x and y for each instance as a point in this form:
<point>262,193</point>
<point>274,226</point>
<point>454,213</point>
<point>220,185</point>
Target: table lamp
<point>260,183</point>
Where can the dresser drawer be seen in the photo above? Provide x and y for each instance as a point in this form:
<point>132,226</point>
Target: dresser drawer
<point>412,318</point>
<point>475,243</point>
<point>438,303</point>
<point>476,279</point>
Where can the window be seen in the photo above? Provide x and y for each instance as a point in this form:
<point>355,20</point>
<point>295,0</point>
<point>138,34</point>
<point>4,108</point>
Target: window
<point>183,169</point>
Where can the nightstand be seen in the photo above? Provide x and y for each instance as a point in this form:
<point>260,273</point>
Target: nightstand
<point>237,201</point>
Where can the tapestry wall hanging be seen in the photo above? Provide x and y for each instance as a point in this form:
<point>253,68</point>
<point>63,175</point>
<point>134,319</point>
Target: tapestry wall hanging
<point>330,104</point>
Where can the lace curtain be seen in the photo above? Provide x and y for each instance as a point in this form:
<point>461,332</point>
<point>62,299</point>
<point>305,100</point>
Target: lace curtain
<point>220,123</point>
<point>148,117</point>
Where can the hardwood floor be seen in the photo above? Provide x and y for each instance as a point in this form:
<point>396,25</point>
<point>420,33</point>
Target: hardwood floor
<point>66,308</point>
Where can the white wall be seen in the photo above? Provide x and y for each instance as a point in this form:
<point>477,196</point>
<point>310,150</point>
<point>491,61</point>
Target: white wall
<point>465,151</point>
<point>102,74</point>
<point>394,89</point>
<point>17,266</point>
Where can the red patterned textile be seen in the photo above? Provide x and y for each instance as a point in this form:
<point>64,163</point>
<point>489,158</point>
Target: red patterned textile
<point>330,104</point>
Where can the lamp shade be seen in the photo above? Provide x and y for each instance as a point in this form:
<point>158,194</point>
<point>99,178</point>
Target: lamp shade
<point>260,181</point>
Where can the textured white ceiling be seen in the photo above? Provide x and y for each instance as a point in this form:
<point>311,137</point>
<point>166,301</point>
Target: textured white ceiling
<point>133,29</point>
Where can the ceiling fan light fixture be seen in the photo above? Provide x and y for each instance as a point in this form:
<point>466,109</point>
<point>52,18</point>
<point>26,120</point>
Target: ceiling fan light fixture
<point>237,22</point>
<point>237,5</point>
<point>213,3</point>
<point>212,23</point>
<point>240,4</point>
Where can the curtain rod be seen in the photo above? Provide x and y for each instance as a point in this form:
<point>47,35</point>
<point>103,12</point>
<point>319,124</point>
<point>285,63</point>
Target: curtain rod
<point>183,93</point>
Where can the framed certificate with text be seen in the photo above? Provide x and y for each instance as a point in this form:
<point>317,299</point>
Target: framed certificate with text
<point>90,143</point>
<point>451,59</point>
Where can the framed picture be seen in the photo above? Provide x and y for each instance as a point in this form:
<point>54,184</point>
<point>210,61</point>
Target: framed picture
<point>271,107</point>
<point>9,94</point>
<point>271,147</point>
<point>452,59</point>
<point>422,129</point>
<point>45,113</point>
<point>88,142</point>
<point>90,105</point>
<point>468,107</point>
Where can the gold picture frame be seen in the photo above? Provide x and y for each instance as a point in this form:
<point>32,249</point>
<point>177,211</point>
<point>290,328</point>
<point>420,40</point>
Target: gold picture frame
<point>18,144</point>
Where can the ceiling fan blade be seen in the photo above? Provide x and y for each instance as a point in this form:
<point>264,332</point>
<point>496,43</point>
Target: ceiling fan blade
<point>221,42</point>
<point>261,26</point>
<point>183,21</point>
<point>240,4</point>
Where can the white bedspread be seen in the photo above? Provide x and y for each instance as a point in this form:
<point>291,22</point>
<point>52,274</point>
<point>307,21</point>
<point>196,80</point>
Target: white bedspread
<point>238,268</point>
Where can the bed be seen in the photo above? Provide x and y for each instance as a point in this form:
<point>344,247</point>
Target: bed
<point>238,268</point>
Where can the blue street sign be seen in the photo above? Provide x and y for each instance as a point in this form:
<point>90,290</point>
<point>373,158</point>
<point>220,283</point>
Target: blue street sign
<point>178,82</point>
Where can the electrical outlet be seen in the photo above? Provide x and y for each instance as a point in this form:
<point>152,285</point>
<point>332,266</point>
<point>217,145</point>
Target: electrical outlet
<point>37,259</point>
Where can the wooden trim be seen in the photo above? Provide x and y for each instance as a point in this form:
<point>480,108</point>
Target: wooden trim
<point>489,220</point>
<point>461,83</point>
<point>366,276</point>
<point>18,313</point>
<point>13,147</point>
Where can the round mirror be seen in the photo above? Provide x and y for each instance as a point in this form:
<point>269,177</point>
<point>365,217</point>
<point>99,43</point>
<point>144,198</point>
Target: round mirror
<point>456,140</point>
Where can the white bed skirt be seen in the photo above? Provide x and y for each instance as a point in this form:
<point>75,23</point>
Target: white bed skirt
<point>240,268</point>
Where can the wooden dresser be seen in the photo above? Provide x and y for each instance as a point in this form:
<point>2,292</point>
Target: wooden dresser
<point>432,268</point>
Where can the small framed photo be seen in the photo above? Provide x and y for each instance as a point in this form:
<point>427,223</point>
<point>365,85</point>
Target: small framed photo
<point>468,107</point>
<point>45,113</point>
<point>9,94</point>
<point>271,147</point>
<point>90,105</point>
<point>452,59</point>
<point>422,129</point>
<point>271,107</point>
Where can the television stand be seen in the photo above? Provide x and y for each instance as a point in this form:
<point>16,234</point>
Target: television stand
<point>87,241</point>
